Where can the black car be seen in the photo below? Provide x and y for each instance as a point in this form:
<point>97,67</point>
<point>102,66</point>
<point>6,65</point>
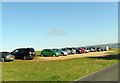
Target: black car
<point>6,56</point>
<point>100,49</point>
<point>24,53</point>
<point>92,49</point>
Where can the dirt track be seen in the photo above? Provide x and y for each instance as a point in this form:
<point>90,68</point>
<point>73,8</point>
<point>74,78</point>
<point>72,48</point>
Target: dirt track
<point>92,54</point>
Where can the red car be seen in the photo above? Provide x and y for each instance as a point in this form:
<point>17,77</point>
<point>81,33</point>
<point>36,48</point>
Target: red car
<point>83,50</point>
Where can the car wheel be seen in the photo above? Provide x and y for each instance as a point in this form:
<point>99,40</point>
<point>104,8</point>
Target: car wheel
<point>54,55</point>
<point>62,54</point>
<point>3,59</point>
<point>42,55</point>
<point>24,58</point>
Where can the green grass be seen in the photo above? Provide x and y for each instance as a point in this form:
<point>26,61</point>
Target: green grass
<point>115,51</point>
<point>61,70</point>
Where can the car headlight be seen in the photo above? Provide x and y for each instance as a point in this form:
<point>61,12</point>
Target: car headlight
<point>8,56</point>
<point>65,52</point>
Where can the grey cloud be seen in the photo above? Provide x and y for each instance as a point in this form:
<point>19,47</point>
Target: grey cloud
<point>56,32</point>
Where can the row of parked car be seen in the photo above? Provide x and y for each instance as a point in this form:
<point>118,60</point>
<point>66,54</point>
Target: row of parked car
<point>68,51</point>
<point>29,53</point>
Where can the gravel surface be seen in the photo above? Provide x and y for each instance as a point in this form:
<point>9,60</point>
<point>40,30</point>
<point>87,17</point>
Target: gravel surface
<point>91,54</point>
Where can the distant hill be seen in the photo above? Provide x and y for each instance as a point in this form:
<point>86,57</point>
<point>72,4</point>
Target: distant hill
<point>113,45</point>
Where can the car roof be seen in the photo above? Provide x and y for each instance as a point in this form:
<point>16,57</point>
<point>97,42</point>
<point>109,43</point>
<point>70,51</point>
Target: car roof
<point>23,48</point>
<point>4,52</point>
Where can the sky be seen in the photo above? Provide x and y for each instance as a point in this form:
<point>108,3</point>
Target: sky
<point>58,24</point>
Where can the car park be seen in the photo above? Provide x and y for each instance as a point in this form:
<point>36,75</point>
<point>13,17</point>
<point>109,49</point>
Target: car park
<point>64,53</point>
<point>6,56</point>
<point>50,52</point>
<point>24,53</point>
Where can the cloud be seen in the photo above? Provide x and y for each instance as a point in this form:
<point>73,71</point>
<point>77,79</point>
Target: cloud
<point>56,32</point>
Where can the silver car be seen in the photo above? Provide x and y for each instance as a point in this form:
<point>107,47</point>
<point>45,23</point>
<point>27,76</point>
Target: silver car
<point>64,53</point>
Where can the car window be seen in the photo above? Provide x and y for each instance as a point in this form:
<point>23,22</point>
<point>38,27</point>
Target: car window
<point>49,50</point>
<point>23,50</point>
<point>16,51</point>
<point>59,50</point>
<point>44,50</point>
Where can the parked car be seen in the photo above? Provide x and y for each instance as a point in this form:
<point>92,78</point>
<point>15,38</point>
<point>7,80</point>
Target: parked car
<point>87,50</point>
<point>105,48</point>
<point>100,49</point>
<point>74,51</point>
<point>77,50</point>
<point>92,49</point>
<point>67,50</point>
<point>83,50</point>
<point>71,50</point>
<point>24,53</point>
<point>64,53</point>
<point>50,52</point>
<point>6,56</point>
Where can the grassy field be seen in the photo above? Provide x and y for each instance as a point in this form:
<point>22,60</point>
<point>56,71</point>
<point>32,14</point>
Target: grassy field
<point>115,51</point>
<point>61,70</point>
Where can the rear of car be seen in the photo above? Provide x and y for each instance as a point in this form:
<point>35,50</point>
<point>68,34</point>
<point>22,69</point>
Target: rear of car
<point>6,56</point>
<point>31,53</point>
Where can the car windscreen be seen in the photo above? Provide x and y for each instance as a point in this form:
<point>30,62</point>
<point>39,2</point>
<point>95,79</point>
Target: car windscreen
<point>59,50</point>
<point>0,54</point>
<point>32,50</point>
<point>4,53</point>
<point>54,51</point>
